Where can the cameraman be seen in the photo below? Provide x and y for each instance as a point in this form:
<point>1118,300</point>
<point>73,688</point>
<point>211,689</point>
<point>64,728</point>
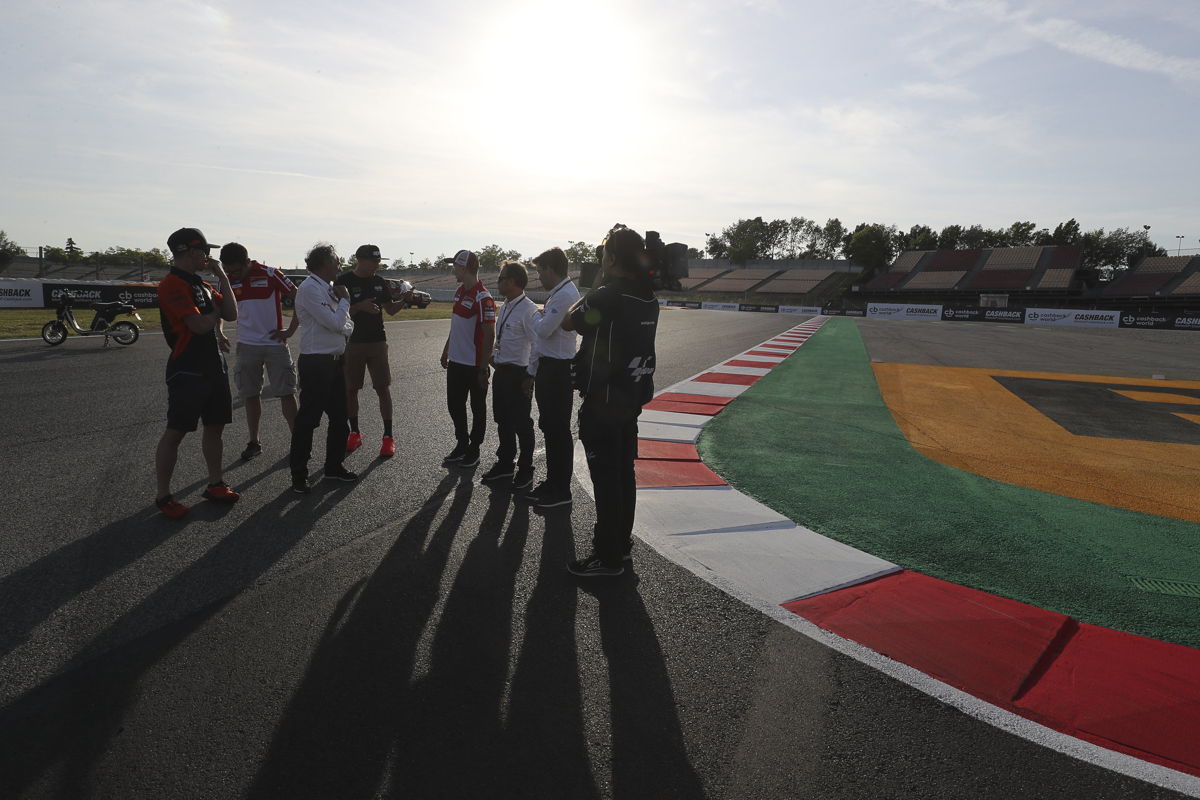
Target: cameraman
<point>615,369</point>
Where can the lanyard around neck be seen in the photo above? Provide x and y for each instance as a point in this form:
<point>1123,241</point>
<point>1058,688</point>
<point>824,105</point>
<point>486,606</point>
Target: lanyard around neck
<point>508,313</point>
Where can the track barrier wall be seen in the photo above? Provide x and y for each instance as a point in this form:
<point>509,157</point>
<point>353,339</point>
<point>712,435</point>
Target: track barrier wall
<point>38,293</point>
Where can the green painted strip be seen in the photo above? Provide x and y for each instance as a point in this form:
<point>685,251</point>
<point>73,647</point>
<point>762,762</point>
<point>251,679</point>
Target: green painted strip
<point>815,441</point>
<point>1162,586</point>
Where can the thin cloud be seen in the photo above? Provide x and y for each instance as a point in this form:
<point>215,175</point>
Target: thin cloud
<point>1079,39</point>
<point>1118,51</point>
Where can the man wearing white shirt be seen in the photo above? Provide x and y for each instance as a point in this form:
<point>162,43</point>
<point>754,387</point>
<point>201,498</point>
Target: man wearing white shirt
<point>325,325</point>
<point>550,375</point>
<point>510,360</point>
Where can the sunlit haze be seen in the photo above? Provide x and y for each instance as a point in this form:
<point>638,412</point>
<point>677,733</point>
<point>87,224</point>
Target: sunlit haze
<point>428,127</point>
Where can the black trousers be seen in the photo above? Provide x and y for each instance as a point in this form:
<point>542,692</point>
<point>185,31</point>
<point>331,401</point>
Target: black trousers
<point>555,401</point>
<point>462,382</point>
<point>511,408</point>
<point>609,436</point>
<point>322,391</point>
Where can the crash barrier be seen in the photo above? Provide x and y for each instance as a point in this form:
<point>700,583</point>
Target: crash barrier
<point>40,293</point>
<point>1061,317</point>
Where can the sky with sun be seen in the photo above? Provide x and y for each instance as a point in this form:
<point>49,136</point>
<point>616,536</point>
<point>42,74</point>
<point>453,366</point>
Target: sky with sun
<point>426,127</point>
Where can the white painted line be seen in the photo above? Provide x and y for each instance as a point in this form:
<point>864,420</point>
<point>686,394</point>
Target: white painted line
<point>759,371</point>
<point>707,388</point>
<point>781,565</point>
<point>768,361</point>
<point>667,433</point>
<point>692,511</point>
<point>674,418</point>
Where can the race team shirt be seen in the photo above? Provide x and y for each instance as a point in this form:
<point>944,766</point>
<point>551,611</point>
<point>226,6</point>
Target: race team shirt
<point>180,295</point>
<point>368,327</point>
<point>618,322</point>
<point>472,308</point>
<point>260,311</point>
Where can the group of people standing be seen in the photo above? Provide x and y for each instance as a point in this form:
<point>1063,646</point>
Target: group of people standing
<point>532,354</point>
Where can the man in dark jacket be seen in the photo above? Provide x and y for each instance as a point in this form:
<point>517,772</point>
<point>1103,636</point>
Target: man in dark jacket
<point>614,373</point>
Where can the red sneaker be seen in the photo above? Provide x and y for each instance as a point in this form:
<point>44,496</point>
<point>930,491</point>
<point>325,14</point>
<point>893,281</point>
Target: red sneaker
<point>172,508</point>
<point>388,449</point>
<point>353,442</point>
<point>221,493</point>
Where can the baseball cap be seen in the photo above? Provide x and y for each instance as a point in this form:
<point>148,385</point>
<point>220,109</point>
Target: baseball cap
<point>367,251</point>
<point>186,239</point>
<point>464,258</point>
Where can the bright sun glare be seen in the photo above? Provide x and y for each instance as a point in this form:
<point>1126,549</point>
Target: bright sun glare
<point>549,67</point>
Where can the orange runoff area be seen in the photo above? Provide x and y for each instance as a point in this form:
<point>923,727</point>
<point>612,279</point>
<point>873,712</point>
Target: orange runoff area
<point>965,419</point>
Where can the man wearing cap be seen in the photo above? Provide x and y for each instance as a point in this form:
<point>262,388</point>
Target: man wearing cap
<point>197,382</point>
<point>325,325</point>
<point>367,349</point>
<point>465,358</point>
<point>549,378</point>
<point>262,341</point>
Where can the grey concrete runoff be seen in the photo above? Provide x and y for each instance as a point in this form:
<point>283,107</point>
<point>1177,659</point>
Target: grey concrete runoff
<point>414,634</point>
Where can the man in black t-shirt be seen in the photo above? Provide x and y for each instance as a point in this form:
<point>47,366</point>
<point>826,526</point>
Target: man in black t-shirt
<point>615,374</point>
<point>367,349</point>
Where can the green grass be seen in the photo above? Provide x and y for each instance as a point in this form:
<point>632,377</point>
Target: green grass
<point>25,323</point>
<point>815,441</point>
<point>22,323</point>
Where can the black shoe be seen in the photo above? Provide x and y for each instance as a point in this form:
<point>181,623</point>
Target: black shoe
<point>470,458</point>
<point>535,494</point>
<point>340,473</point>
<point>252,449</point>
<point>593,567</point>
<point>551,499</point>
<point>522,480</point>
<point>300,485</point>
<point>498,472</point>
<point>455,455</point>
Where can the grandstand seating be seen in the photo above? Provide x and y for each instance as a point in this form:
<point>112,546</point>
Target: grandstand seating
<point>907,260</point>
<point>738,280</point>
<point>701,275</point>
<point>1174,264</point>
<point>1007,269</point>
<point>796,281</point>
<point>943,270</point>
<point>1056,279</point>
<point>19,269</point>
<point>942,279</point>
<point>1060,265</point>
<point>1190,285</point>
<point>899,270</point>
<point>953,261</point>
<point>440,281</point>
<point>1013,258</point>
<point>1149,276</point>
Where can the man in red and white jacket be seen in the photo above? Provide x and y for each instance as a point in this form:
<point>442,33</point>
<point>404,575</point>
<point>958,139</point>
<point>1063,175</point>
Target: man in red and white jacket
<point>261,339</point>
<point>465,358</point>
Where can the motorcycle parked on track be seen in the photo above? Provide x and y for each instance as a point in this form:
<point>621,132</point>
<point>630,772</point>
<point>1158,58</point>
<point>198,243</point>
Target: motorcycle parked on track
<point>123,332</point>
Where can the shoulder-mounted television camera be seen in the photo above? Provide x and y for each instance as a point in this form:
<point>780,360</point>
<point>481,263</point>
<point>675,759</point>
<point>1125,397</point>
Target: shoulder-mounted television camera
<point>667,264</point>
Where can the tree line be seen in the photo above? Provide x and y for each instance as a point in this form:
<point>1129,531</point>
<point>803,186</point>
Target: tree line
<point>875,245</point>
<point>870,245</point>
<point>490,256</point>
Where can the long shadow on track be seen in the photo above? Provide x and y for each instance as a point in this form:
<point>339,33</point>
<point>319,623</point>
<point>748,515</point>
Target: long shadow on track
<point>75,717</point>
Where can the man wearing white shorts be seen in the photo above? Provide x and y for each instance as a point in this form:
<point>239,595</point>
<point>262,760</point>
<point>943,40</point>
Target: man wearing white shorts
<point>261,339</point>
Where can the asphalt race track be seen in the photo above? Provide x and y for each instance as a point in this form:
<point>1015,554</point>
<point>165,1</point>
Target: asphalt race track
<point>413,635</point>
